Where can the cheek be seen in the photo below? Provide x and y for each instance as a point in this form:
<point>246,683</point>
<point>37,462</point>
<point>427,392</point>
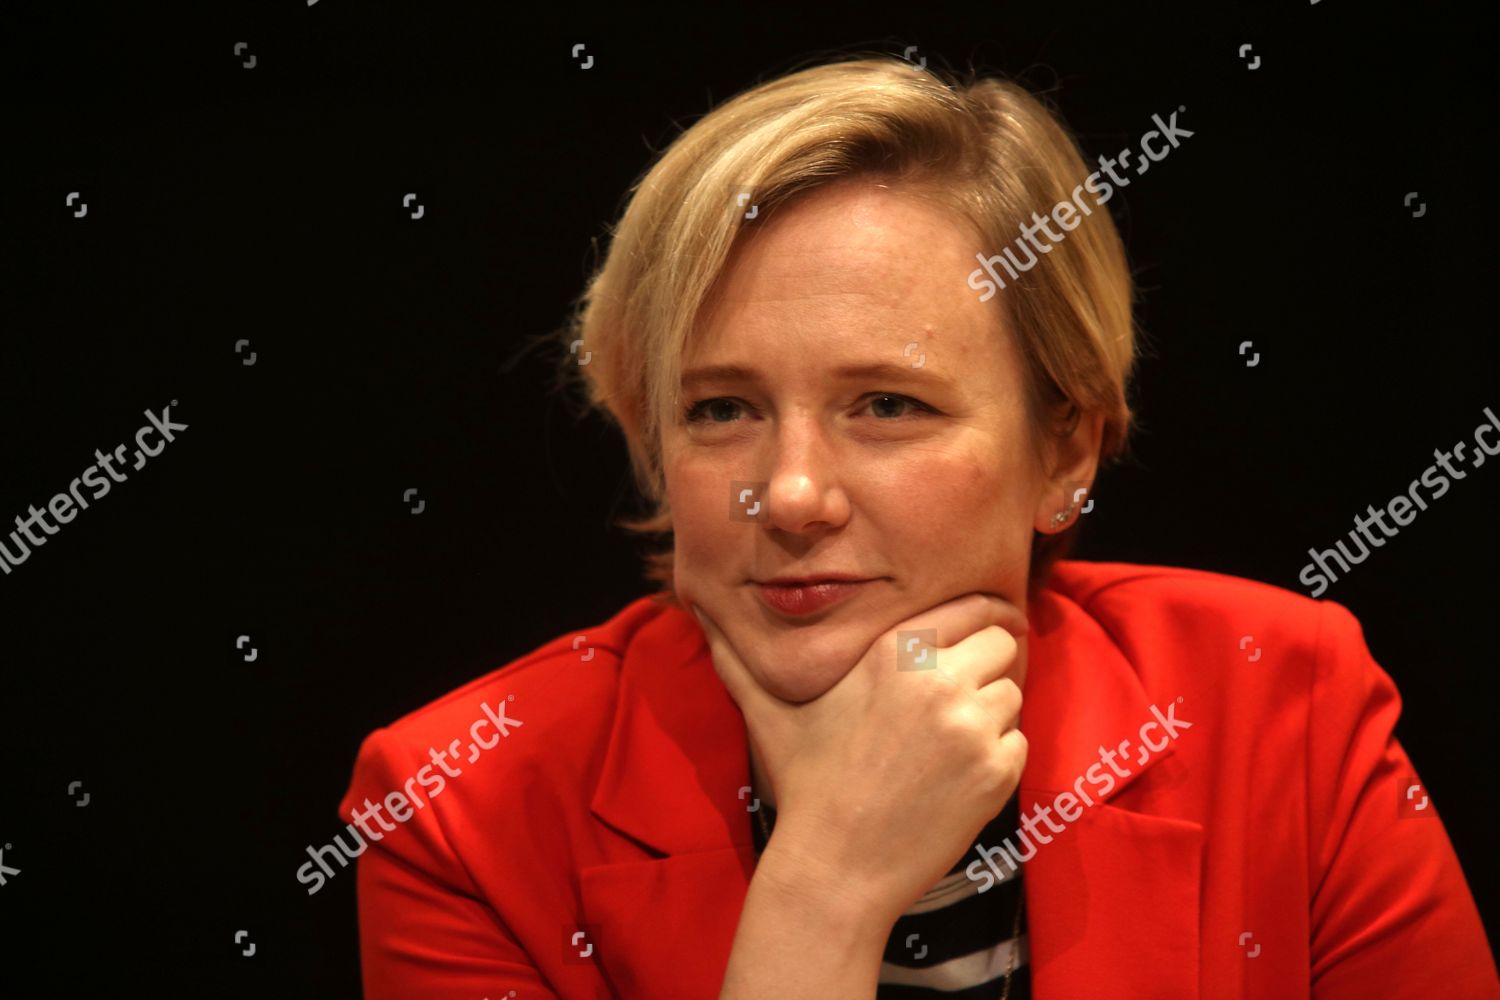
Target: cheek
<point>951,488</point>
<point>702,528</point>
<point>958,506</point>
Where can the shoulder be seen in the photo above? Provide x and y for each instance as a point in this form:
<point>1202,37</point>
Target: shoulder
<point>1175,619</point>
<point>1113,585</point>
<point>585,661</point>
<point>1283,683</point>
<point>1133,601</point>
<point>560,697</point>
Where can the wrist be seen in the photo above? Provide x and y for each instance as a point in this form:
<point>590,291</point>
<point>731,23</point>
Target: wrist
<point>806,881</point>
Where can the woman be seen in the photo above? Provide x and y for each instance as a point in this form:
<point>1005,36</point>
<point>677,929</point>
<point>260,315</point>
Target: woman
<point>805,767</point>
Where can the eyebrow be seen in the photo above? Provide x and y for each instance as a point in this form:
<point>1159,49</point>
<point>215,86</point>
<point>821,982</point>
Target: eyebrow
<point>886,370</point>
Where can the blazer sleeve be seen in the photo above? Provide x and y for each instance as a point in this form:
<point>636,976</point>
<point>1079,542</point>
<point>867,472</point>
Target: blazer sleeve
<point>1392,915</point>
<point>425,929</point>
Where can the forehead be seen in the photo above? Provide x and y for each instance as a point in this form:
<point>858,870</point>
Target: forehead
<point>855,267</point>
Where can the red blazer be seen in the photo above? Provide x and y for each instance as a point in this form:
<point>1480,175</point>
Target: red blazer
<point>1270,850</point>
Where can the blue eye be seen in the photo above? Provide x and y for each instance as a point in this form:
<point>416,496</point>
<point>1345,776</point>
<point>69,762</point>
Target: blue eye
<point>923,407</point>
<point>893,396</point>
<point>711,410</point>
<point>696,411</point>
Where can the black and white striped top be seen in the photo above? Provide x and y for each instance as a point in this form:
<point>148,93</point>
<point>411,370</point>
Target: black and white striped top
<point>955,942</point>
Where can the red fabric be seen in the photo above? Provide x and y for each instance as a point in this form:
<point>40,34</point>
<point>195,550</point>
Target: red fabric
<point>614,808</point>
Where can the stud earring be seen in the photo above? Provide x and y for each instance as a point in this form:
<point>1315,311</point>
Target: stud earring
<point>1061,517</point>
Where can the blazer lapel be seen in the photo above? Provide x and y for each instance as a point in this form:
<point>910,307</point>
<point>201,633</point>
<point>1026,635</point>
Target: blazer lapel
<point>666,926</point>
<point>1112,901</point>
<point>672,773</point>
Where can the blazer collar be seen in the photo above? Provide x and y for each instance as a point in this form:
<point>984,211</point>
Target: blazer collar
<point>1082,697</point>
<point>1112,901</point>
<point>677,755</point>
<point>677,760</point>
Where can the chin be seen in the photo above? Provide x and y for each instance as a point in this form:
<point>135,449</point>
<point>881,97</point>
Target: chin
<point>798,668</point>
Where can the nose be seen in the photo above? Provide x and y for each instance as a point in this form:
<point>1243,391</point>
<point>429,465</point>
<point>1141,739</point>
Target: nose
<point>805,492</point>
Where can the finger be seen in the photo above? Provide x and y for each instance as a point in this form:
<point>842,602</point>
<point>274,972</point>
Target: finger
<point>952,621</point>
<point>1002,700</point>
<point>1011,751</point>
<point>982,658</point>
<point>962,616</point>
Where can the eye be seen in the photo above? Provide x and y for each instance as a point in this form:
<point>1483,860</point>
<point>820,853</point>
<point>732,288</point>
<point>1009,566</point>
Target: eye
<point>726,409</point>
<point>709,409</point>
<point>890,398</point>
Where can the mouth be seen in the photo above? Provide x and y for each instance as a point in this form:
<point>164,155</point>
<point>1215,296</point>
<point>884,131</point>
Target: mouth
<point>801,597</point>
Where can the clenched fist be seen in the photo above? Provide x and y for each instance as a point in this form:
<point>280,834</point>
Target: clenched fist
<point>882,782</point>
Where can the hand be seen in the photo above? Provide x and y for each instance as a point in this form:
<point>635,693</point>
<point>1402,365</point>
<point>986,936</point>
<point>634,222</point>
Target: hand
<point>883,781</point>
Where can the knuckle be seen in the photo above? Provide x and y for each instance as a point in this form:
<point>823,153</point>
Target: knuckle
<point>994,644</point>
<point>968,716</point>
<point>1004,698</point>
<point>1018,747</point>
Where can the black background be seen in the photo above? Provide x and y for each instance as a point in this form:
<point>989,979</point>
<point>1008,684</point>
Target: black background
<point>264,204</point>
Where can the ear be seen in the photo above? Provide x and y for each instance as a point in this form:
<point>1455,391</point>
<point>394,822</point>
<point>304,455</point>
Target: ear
<point>1071,458</point>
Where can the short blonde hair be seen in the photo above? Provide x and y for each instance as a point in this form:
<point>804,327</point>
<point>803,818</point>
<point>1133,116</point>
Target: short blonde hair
<point>986,147</point>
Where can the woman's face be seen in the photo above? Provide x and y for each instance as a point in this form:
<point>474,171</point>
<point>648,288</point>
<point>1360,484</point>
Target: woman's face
<point>919,477</point>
